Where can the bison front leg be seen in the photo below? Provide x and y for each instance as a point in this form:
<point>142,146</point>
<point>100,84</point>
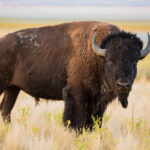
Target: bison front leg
<point>69,110</point>
<point>75,115</point>
<point>100,108</point>
<point>10,95</point>
<point>97,116</point>
<point>95,113</point>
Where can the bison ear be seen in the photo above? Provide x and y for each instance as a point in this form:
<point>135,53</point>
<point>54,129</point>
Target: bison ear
<point>146,51</point>
<point>97,50</point>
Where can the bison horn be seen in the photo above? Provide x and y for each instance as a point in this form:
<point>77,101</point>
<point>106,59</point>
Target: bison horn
<point>99,51</point>
<point>145,51</point>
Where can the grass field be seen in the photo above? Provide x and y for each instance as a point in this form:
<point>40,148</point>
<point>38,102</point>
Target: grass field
<point>40,127</point>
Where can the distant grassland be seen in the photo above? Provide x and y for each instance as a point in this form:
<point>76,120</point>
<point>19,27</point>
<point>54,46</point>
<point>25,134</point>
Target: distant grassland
<point>7,26</point>
<point>41,128</point>
<point>19,24</point>
<point>134,26</point>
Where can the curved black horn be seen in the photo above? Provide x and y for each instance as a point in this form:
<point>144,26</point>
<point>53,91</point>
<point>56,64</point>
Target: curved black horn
<point>99,51</point>
<point>145,51</point>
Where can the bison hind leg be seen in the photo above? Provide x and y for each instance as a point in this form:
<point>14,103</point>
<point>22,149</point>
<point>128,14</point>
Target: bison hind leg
<point>3,86</point>
<point>9,99</point>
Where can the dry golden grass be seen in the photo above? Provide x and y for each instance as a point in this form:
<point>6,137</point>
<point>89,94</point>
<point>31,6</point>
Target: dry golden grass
<point>40,127</point>
<point>133,26</point>
<point>7,27</point>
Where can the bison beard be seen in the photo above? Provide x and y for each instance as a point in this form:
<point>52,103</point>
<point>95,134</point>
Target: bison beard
<point>123,94</point>
<point>123,98</point>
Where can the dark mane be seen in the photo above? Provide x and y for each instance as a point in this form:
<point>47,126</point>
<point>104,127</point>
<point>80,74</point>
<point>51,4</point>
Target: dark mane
<point>123,35</point>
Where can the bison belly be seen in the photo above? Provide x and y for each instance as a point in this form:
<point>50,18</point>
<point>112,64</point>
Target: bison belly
<point>48,88</point>
<point>41,81</point>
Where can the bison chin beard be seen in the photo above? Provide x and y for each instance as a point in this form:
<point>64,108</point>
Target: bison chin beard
<point>123,98</point>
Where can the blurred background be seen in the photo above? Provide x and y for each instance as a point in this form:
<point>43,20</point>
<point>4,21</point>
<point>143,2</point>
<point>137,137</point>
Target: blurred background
<point>133,10</point>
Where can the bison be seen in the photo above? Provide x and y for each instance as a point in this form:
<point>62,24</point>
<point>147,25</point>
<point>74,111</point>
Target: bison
<point>87,64</point>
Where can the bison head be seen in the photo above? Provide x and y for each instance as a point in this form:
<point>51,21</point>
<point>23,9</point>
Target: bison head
<point>121,52</point>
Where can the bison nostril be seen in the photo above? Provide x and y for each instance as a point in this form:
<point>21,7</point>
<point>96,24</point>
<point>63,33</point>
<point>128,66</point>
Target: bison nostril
<point>122,84</point>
